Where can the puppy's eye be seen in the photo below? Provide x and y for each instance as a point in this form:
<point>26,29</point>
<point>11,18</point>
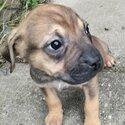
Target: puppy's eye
<point>55,45</point>
<point>55,48</point>
<point>87,29</point>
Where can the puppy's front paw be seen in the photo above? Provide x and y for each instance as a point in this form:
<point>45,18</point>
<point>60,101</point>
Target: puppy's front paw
<point>54,118</point>
<point>109,61</point>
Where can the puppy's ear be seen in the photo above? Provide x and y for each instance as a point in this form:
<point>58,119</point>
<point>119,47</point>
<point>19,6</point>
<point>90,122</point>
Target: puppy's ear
<point>100,45</point>
<point>8,50</point>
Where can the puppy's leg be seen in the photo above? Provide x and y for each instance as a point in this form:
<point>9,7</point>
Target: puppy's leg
<point>91,106</point>
<point>104,50</point>
<point>55,115</point>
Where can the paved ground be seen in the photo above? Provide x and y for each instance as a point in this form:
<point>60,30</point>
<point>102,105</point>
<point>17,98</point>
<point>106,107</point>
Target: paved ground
<point>21,102</point>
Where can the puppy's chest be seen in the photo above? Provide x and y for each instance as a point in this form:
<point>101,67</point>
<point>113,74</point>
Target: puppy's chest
<point>60,85</point>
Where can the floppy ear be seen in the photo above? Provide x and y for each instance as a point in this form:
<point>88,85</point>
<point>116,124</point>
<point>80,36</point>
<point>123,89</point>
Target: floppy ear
<point>7,49</point>
<point>101,46</point>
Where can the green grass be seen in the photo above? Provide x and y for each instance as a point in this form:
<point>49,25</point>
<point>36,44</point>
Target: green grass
<point>19,9</point>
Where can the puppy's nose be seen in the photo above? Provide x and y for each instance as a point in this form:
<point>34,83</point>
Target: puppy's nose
<point>92,62</point>
<point>92,58</point>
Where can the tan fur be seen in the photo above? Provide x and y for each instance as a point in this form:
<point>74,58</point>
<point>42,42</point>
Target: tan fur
<point>40,61</point>
<point>28,40</point>
<point>91,107</point>
<point>55,115</point>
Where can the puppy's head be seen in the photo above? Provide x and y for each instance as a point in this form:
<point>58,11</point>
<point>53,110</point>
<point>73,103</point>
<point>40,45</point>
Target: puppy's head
<point>57,44</point>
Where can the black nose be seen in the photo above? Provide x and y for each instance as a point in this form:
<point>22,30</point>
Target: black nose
<point>92,58</point>
<point>93,61</point>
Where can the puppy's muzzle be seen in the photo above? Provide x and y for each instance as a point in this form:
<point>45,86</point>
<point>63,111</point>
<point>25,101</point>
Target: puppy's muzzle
<point>88,65</point>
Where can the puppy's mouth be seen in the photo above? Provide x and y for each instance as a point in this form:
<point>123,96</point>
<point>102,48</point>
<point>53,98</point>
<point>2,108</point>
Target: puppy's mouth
<point>82,73</point>
<point>78,76</point>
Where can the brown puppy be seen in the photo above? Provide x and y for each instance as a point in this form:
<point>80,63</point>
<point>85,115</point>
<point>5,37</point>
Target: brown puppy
<point>61,52</point>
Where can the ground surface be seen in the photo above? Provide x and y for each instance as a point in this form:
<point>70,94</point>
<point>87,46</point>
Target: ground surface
<point>21,102</point>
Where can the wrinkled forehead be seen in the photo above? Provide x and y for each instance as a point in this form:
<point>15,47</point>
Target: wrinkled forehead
<point>47,19</point>
<point>47,15</point>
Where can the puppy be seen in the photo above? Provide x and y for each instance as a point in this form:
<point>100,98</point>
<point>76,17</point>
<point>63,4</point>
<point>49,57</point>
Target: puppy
<point>61,52</point>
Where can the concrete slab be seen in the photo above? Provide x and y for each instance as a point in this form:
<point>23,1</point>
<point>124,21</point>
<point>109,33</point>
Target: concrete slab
<point>21,102</point>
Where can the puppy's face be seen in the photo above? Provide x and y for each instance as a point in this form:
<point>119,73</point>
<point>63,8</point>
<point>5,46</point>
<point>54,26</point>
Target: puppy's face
<point>57,45</point>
